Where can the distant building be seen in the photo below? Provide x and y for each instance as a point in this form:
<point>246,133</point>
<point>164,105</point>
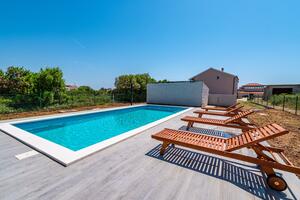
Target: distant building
<point>251,89</point>
<point>280,89</point>
<point>71,87</point>
<point>222,86</point>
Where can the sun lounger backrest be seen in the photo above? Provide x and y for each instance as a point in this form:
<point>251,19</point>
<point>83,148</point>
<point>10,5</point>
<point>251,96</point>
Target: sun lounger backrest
<point>232,106</point>
<point>234,109</point>
<point>254,136</point>
<point>238,116</point>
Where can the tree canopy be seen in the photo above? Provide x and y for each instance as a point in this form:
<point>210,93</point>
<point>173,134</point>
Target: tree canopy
<point>138,81</point>
<point>46,86</point>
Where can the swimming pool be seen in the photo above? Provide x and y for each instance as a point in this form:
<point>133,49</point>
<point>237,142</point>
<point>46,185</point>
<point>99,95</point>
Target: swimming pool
<point>71,137</point>
<point>78,132</point>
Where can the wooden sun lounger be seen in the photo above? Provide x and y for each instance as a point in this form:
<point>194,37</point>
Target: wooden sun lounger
<point>225,147</point>
<point>220,108</point>
<point>228,113</point>
<point>232,122</point>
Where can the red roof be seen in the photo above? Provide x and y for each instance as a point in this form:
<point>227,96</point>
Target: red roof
<point>258,93</point>
<point>253,84</point>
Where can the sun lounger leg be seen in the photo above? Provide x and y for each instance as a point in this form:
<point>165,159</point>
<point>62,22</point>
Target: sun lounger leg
<point>163,148</point>
<point>274,182</point>
<point>190,124</point>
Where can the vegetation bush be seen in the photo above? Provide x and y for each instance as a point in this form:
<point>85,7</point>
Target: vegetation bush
<point>23,90</point>
<point>289,100</point>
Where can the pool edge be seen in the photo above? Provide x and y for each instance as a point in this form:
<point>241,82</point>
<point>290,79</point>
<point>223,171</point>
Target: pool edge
<point>66,156</point>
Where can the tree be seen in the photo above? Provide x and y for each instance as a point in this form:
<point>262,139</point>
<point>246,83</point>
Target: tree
<point>49,85</point>
<point>16,80</point>
<point>104,91</point>
<point>163,81</point>
<point>1,74</point>
<point>136,83</point>
<point>3,88</point>
<point>86,90</point>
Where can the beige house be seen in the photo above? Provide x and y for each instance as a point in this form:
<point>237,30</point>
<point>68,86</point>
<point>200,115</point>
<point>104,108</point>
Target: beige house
<point>222,86</point>
<point>251,90</point>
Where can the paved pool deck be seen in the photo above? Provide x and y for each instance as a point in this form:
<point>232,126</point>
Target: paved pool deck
<point>133,169</point>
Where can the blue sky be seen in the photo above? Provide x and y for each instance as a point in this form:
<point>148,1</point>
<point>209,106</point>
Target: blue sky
<point>95,41</point>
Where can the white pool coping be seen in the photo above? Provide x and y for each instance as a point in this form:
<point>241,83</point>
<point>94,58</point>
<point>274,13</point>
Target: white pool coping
<point>64,155</point>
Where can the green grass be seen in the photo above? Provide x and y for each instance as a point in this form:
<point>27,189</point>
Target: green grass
<point>251,105</point>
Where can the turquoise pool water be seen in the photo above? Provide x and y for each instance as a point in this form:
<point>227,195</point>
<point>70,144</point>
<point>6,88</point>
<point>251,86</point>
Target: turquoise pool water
<point>78,132</point>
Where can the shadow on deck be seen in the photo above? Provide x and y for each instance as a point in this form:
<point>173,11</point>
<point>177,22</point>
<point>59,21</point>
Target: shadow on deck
<point>206,131</point>
<point>242,176</point>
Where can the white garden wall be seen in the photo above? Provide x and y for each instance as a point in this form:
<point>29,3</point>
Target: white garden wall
<point>186,93</point>
<point>222,99</point>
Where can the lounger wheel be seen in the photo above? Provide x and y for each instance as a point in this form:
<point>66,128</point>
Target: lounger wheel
<point>276,182</point>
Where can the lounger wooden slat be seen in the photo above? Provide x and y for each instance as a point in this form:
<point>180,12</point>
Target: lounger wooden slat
<point>234,121</point>
<point>225,147</point>
<point>229,143</point>
<point>241,140</point>
<point>279,128</point>
<point>247,136</point>
<point>273,129</point>
<point>264,131</point>
<point>268,131</point>
<point>221,108</point>
<point>230,112</point>
<point>244,138</point>
<point>239,116</point>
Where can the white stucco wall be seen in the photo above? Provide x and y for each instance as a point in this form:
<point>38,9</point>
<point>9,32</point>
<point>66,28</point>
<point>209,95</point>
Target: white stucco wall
<point>178,93</point>
<point>222,99</point>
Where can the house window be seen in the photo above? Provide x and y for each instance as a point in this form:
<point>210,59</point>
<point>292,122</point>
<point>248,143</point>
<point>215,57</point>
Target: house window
<point>218,77</point>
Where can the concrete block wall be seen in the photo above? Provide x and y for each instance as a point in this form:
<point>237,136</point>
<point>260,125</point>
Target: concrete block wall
<point>185,93</point>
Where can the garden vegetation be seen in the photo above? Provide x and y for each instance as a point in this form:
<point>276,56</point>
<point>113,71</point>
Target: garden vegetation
<point>24,90</point>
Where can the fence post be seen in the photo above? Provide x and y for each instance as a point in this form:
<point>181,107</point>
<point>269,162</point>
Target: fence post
<point>267,101</point>
<point>296,109</point>
<point>273,102</point>
<point>283,103</point>
<point>261,102</point>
